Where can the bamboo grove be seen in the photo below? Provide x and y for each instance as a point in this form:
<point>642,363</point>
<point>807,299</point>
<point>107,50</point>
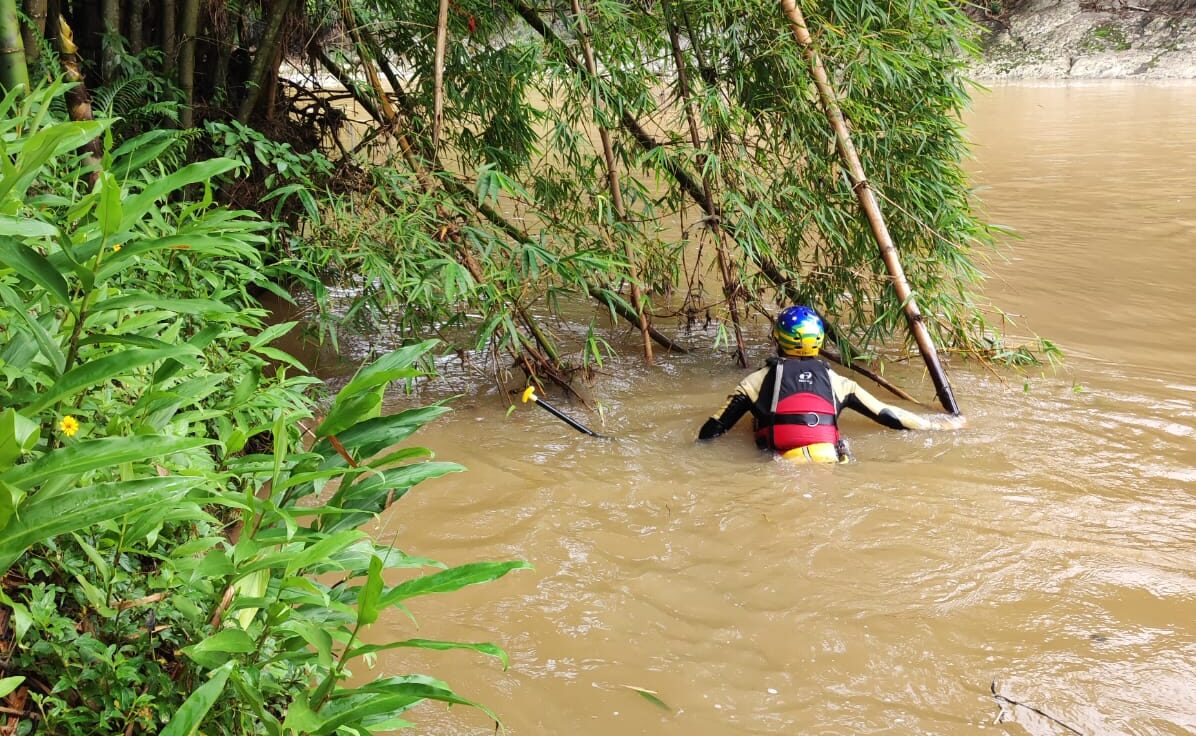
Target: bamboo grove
<point>502,173</point>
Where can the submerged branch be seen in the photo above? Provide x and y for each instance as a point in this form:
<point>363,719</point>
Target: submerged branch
<point>1003,699</point>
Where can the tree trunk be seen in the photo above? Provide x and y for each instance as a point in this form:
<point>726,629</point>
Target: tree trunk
<point>78,102</point>
<point>730,283</point>
<point>136,25</point>
<point>13,70</point>
<point>109,39</point>
<point>867,199</point>
<point>612,179</point>
<point>35,32</point>
<point>168,25</point>
<point>190,31</point>
<point>263,60</point>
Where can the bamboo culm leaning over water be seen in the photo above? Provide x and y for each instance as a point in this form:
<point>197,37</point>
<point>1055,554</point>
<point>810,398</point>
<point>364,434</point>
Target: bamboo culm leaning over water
<point>867,199</point>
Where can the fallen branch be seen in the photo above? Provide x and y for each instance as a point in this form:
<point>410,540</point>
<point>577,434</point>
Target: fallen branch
<point>1002,699</point>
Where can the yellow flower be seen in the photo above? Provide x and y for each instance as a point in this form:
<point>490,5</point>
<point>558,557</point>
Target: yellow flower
<point>69,425</point>
<point>116,248</point>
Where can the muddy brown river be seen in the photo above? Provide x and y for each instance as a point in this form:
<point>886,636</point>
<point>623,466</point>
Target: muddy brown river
<point>1048,551</point>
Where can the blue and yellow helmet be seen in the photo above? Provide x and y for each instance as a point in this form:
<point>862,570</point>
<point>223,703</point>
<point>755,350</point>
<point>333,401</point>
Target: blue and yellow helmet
<point>799,331</point>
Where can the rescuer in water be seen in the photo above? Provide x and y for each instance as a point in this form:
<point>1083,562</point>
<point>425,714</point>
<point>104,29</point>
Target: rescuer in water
<point>796,398</point>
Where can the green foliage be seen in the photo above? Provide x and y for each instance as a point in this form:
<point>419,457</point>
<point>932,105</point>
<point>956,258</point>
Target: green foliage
<point>519,218</point>
<point>174,558</point>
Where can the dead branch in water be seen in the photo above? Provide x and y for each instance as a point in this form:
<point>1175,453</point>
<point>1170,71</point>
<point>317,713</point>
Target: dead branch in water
<point>1004,699</point>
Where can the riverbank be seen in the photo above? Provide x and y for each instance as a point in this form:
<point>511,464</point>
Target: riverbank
<point>1070,39</point>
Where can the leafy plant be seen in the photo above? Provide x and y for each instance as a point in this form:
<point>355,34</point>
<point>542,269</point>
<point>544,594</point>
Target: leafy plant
<point>173,555</point>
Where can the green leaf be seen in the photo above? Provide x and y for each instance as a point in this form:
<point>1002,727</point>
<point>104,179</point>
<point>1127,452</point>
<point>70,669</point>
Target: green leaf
<point>383,698</point>
<point>8,684</point>
<point>323,550</point>
<point>195,708</point>
<point>136,206</point>
<point>389,367</point>
<point>10,499</point>
<point>217,648</point>
<point>18,436</point>
<point>371,594</point>
<point>41,147</point>
<point>651,696</point>
<point>109,213</point>
<point>48,345</point>
<point>315,635</point>
<point>21,618</point>
<point>99,453</point>
<point>143,300</point>
<point>447,581</point>
<point>481,647</point>
<point>374,435</point>
<point>42,518</point>
<point>96,372</point>
<point>352,410</point>
<point>25,227</point>
<point>32,265</point>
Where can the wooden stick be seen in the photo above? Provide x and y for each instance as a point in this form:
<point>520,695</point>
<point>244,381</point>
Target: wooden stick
<point>867,199</point>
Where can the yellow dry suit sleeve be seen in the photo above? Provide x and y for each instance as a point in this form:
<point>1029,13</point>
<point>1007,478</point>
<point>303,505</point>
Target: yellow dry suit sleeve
<point>848,394</point>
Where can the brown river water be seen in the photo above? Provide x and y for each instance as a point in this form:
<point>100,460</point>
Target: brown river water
<point>1047,551</point>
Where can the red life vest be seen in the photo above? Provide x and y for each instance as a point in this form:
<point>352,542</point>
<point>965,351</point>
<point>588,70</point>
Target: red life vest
<point>801,411</point>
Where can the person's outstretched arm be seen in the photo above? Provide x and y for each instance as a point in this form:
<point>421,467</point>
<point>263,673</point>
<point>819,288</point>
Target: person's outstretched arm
<point>738,403</point>
<point>851,396</point>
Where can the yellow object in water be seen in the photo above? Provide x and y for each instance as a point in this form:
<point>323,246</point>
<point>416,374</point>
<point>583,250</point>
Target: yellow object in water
<point>821,452</point>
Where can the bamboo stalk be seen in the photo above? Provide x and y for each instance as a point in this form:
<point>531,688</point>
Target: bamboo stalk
<point>33,33</point>
<point>190,30</point>
<point>390,117</point>
<point>730,284</point>
<point>111,25</point>
<point>13,70</point>
<point>168,22</point>
<point>136,25</point>
<point>78,102</point>
<point>867,199</point>
<point>612,177</point>
<point>263,60</point>
<point>438,73</point>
